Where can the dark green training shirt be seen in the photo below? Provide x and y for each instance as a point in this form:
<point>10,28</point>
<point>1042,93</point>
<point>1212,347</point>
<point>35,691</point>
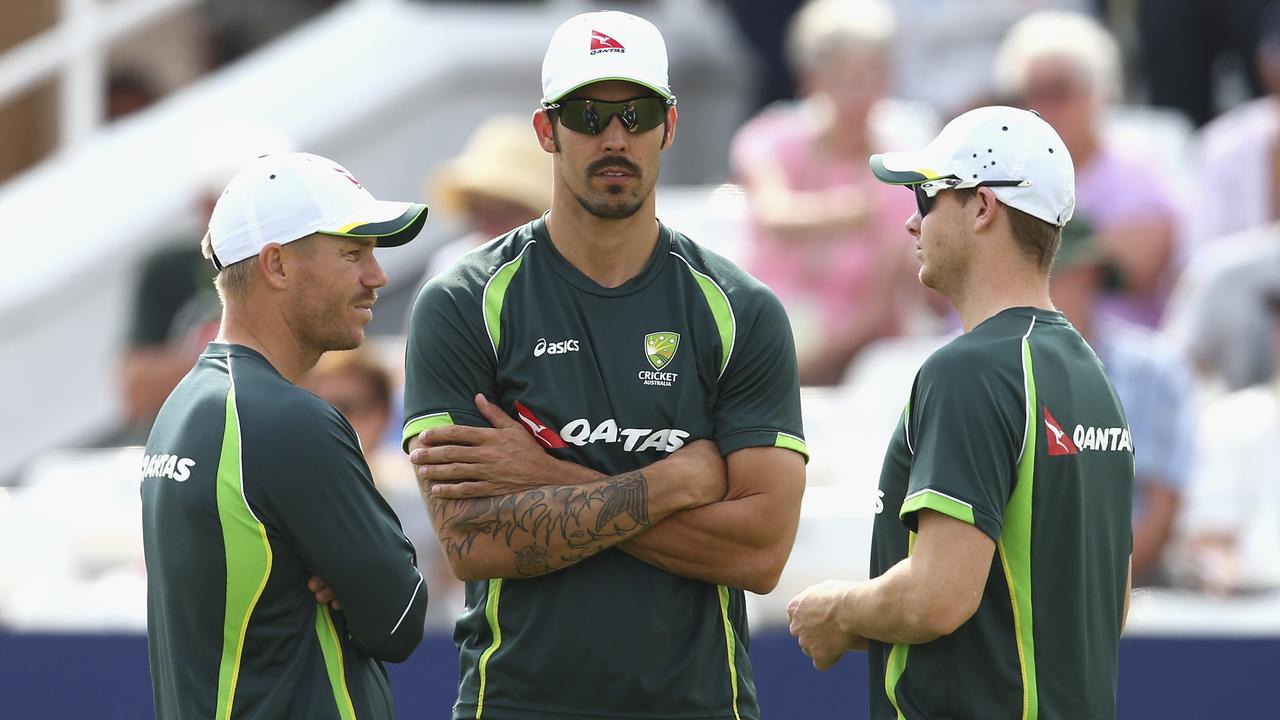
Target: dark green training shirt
<point>613,379</point>
<point>1013,428</point>
<point>250,486</point>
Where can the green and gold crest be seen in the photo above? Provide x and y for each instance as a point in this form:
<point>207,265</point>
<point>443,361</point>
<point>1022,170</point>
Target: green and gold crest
<point>660,347</point>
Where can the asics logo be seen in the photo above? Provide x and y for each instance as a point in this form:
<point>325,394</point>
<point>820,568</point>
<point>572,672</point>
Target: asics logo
<point>554,348</point>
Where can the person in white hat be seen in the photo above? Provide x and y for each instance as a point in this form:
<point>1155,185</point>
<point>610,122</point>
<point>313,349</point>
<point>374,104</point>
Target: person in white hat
<point>1001,547</point>
<point>175,310</point>
<point>606,423</point>
<point>252,485</point>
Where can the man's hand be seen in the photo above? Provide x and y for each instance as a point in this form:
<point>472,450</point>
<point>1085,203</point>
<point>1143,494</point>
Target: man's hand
<point>816,623</point>
<point>457,461</point>
<point>324,595</point>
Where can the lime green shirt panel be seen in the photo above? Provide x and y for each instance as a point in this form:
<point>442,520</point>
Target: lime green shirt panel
<point>495,295</point>
<point>248,558</point>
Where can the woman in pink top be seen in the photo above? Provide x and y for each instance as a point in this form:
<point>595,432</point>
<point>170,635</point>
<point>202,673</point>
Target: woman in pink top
<point>824,235</point>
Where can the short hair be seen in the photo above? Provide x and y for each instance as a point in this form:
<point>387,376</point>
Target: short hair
<point>1038,240</point>
<point>824,26</point>
<point>1074,37</point>
<point>232,281</point>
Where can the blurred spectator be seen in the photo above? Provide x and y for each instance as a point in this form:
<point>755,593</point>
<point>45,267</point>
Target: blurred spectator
<point>128,91</point>
<point>1238,156</point>
<point>1183,43</point>
<point>501,181</point>
<point>361,388</point>
<point>1154,384</point>
<point>1066,66</point>
<point>175,310</point>
<point>1233,513</point>
<point>947,62</point>
<point>824,235</point>
<point>1218,313</point>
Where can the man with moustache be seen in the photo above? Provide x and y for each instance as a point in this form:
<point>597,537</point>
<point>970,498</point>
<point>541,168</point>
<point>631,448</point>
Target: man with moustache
<point>655,465</point>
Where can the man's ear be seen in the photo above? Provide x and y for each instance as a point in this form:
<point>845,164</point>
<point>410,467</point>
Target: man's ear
<point>272,266</point>
<point>669,128</point>
<point>544,126</point>
<point>988,206</point>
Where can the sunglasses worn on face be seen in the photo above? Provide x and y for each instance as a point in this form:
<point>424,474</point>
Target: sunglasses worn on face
<point>927,192</point>
<point>593,116</point>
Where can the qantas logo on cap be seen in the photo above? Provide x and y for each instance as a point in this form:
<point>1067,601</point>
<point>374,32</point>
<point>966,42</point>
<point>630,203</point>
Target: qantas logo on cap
<point>603,43</point>
<point>537,428</point>
<point>348,176</point>
<point>1059,442</point>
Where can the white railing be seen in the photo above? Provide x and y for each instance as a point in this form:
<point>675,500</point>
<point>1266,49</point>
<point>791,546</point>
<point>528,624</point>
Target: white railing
<point>76,49</point>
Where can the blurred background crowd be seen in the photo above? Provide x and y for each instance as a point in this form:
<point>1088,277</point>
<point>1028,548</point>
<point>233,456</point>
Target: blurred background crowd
<point>121,121</point>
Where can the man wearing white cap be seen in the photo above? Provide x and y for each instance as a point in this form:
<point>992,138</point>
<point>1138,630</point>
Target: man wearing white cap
<point>251,485</point>
<point>656,464</point>
<point>1001,544</point>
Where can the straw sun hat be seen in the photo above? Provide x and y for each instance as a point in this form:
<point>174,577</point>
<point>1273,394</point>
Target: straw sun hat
<point>502,159</point>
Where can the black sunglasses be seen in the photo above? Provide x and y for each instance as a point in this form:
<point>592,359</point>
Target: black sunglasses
<point>593,116</point>
<point>927,192</point>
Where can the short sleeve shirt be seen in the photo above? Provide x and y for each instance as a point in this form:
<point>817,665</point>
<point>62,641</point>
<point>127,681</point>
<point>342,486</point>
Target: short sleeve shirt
<point>1013,428</point>
<point>613,379</point>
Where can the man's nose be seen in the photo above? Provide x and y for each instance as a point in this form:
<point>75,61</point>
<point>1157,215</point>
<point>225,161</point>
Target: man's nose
<point>374,277</point>
<point>615,135</point>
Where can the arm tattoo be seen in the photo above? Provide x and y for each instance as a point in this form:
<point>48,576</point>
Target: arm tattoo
<point>549,527</point>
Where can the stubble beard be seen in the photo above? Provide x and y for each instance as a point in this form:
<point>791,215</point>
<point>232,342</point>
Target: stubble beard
<point>325,327</point>
<point>612,206</point>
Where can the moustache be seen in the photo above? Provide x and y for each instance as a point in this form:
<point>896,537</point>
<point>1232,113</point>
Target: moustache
<point>620,163</point>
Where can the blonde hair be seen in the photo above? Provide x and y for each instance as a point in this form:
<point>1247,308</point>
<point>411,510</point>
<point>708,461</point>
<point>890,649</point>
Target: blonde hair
<point>824,26</point>
<point>232,281</point>
<point>1074,37</point>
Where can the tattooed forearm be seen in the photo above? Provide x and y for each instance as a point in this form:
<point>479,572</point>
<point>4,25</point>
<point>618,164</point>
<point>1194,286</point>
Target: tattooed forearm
<point>531,560</point>
<point>546,528</point>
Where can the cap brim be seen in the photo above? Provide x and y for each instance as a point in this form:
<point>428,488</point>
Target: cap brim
<point>663,92</point>
<point>392,223</point>
<point>904,168</point>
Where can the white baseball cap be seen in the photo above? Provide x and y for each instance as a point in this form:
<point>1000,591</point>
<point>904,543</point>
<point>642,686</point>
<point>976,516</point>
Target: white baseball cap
<point>287,196</point>
<point>995,144</point>
<point>609,45</point>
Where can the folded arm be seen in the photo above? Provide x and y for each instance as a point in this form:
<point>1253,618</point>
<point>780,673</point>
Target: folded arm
<point>742,541</point>
<point>555,513</point>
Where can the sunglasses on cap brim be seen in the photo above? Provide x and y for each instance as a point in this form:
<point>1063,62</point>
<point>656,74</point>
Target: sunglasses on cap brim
<point>927,192</point>
<point>593,116</point>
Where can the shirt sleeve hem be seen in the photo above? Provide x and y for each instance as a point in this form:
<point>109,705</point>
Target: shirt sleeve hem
<point>763,438</point>
<point>930,499</point>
